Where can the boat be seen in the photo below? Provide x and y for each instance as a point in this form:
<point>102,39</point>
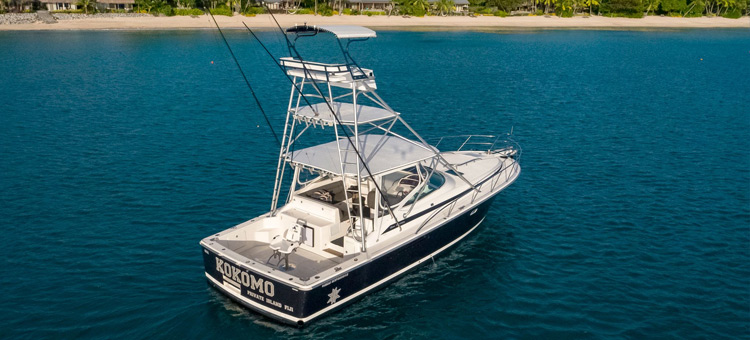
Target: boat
<point>361,202</point>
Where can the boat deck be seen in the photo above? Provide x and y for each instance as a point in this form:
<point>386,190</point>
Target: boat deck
<point>302,263</point>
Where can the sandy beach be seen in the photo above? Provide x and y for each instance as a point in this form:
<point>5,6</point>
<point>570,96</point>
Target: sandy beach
<point>384,22</point>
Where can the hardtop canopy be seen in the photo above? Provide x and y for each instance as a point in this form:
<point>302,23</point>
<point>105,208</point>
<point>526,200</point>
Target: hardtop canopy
<point>340,31</point>
<point>382,153</point>
<point>345,112</point>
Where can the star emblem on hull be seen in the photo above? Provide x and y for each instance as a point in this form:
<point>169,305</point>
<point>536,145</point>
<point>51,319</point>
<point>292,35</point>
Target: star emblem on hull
<point>334,295</point>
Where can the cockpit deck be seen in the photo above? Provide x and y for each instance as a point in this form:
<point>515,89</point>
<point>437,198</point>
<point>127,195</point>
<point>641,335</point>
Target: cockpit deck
<point>303,263</point>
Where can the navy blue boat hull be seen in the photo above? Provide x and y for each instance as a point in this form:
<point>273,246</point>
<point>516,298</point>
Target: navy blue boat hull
<point>287,304</point>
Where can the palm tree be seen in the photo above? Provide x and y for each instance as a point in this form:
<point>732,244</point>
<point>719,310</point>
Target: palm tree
<point>420,4</point>
<point>391,6</point>
<point>547,4</point>
<point>444,6</point>
<point>86,5</point>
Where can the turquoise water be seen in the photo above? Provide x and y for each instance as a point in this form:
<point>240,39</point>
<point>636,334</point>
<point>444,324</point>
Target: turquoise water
<point>119,151</point>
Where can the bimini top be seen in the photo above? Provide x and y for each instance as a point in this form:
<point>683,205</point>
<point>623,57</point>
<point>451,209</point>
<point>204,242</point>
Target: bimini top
<point>382,154</point>
<point>340,31</point>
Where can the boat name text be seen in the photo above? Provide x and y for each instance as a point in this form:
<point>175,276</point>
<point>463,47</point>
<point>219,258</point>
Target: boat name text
<point>244,278</point>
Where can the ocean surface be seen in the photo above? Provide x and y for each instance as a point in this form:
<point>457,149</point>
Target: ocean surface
<point>120,150</point>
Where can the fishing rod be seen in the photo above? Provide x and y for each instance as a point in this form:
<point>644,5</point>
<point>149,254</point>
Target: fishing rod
<point>247,82</point>
<point>317,89</point>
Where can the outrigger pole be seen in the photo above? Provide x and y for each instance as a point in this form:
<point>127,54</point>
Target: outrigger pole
<point>257,101</point>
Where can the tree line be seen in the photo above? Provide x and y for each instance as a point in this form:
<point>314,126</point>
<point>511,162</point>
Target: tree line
<point>619,8</point>
<point>564,8</point>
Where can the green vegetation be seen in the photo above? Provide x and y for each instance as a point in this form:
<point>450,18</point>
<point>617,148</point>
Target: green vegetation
<point>565,11</point>
<point>444,6</point>
<point>732,13</point>
<point>195,7</point>
<point>651,5</point>
<point>482,10</point>
<point>695,9</point>
<point>505,5</point>
<point>88,6</point>
<point>188,11</point>
<point>253,10</point>
<point>222,10</point>
<point>419,8</point>
<point>622,8</point>
<point>166,10</point>
<point>325,10</point>
<point>154,7</point>
<point>613,8</point>
<point>673,6</point>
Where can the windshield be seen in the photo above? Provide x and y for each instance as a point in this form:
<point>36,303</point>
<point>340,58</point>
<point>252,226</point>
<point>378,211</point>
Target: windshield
<point>433,183</point>
<point>399,184</point>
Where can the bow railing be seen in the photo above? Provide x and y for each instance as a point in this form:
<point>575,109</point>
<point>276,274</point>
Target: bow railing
<point>502,145</point>
<point>483,143</point>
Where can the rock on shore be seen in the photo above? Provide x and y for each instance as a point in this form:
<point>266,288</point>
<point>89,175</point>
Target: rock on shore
<point>78,16</point>
<point>30,18</point>
<point>18,18</point>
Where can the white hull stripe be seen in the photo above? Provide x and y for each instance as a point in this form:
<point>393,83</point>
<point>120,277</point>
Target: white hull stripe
<point>355,295</point>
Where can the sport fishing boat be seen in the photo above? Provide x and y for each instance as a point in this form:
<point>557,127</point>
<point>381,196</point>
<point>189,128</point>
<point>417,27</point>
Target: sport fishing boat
<point>368,199</point>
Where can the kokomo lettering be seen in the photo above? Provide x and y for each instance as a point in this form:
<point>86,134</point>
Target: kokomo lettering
<point>219,265</point>
<point>245,278</point>
<point>257,285</point>
<point>269,288</point>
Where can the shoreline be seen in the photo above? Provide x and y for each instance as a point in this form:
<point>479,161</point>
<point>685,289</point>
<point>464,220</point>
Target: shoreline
<point>452,23</point>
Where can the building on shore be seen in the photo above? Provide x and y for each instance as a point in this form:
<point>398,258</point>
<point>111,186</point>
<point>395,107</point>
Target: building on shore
<point>114,5</point>
<point>277,5</point>
<point>387,6</point>
<point>371,5</point>
<point>60,5</point>
<point>101,5</point>
<point>459,6</point>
